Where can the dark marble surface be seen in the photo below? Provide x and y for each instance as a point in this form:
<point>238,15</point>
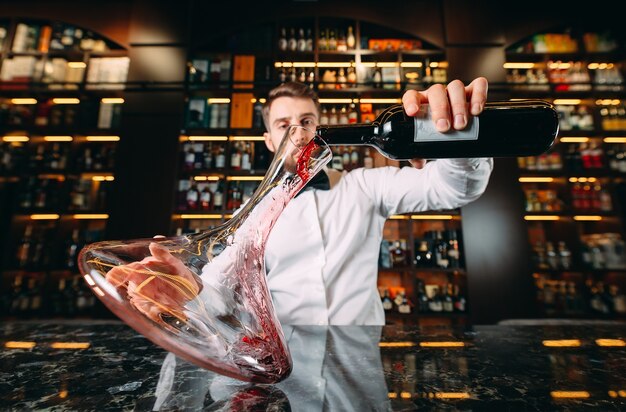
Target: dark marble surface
<point>336,368</point>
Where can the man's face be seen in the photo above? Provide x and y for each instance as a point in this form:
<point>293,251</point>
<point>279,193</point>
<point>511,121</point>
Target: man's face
<point>286,111</point>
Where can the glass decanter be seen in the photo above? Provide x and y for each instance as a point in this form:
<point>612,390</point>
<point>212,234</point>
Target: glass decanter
<point>204,296</point>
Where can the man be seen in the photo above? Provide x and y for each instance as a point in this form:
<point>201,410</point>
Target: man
<point>322,254</point>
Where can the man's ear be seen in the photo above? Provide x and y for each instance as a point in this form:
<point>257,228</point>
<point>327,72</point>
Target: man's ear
<point>268,142</point>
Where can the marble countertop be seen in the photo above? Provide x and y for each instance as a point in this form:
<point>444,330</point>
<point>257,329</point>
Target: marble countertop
<point>105,365</point>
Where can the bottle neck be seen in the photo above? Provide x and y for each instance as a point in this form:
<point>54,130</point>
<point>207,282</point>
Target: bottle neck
<point>344,134</point>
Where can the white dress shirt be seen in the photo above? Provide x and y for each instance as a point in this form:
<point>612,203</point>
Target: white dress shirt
<point>322,254</point>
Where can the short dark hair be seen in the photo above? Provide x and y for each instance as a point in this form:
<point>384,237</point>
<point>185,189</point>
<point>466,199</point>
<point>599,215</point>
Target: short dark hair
<point>289,89</point>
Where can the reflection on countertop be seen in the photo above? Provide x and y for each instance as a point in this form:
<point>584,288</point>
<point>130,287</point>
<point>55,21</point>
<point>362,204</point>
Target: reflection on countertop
<point>105,365</point>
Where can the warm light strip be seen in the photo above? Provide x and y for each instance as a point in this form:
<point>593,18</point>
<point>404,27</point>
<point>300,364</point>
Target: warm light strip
<point>608,102</point>
<point>573,139</point>
<point>348,101</point>
<point>44,216</point>
<point>567,101</point>
<point>303,64</point>
<point>89,280</point>
<point>58,138</point>
<point>588,218</point>
<point>559,65</point>
<point>70,345</point>
<point>65,100</point>
<point>388,64</point>
<point>399,217</point>
<point>76,65</point>
<point>247,138</point>
<point>537,217</point>
<point>536,179</point>
<point>214,100</point>
<point>582,179</point>
<point>246,178</point>
<point>405,395</point>
<point>112,100</point>
<point>23,100</point>
<point>102,138</point>
<point>375,101</point>
<point>449,344</point>
<point>206,178</point>
<point>570,394</point>
<point>443,64</point>
<point>19,345</point>
<point>108,178</point>
<point>15,139</point>
<point>334,64</point>
<point>518,65</point>
<point>206,216</point>
<point>562,343</point>
<point>614,140</point>
<point>452,395</point>
<point>610,342</point>
<point>85,216</point>
<point>411,64</point>
<point>208,138</point>
<point>396,344</point>
<point>58,177</point>
<point>432,217</point>
<point>392,395</point>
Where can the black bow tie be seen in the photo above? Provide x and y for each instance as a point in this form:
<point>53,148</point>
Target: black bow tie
<point>320,181</point>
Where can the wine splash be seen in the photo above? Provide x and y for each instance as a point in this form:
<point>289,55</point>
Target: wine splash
<point>204,296</point>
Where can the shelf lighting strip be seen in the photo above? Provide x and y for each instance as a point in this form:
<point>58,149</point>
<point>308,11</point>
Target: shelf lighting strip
<point>205,138</point>
<point>65,100</point>
<point>542,217</point>
<point>561,343</point>
<point>217,100</point>
<point>58,138</point>
<point>90,216</point>
<point>536,179</point>
<point>44,216</point>
<point>587,218</point>
<point>247,138</point>
<point>112,100</point>
<point>15,139</point>
<point>201,216</point>
<point>102,138</point>
<point>23,100</point>
<point>608,102</point>
<point>207,178</point>
<point>573,139</point>
<point>614,140</point>
<point>245,178</point>
<point>353,64</point>
<point>567,101</point>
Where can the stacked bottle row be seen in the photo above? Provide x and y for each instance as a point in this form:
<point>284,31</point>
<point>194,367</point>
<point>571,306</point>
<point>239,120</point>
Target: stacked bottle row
<point>44,247</point>
<point>244,156</point>
<point>60,114</point>
<point>611,116</point>
<point>596,251</point>
<point>17,157</point>
<point>568,76</point>
<point>573,298</point>
<point>437,249</point>
<point>43,37</point>
<point>36,297</point>
<point>213,196</point>
<point>590,156</point>
<point>585,195</point>
<point>431,298</point>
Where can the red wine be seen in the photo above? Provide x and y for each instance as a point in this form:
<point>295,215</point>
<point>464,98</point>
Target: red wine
<point>503,129</point>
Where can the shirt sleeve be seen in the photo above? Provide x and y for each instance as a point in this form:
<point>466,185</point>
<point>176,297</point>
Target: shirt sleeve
<point>443,184</point>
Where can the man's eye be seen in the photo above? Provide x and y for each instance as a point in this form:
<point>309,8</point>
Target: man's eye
<point>282,126</point>
<point>307,122</point>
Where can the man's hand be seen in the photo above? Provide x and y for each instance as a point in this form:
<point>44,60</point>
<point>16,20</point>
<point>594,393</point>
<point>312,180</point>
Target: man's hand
<point>450,106</point>
<point>159,284</point>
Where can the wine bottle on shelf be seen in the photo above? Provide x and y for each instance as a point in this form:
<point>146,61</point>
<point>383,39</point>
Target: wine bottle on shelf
<point>503,129</point>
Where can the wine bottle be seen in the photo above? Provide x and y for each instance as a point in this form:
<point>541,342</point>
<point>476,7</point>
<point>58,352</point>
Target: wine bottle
<point>503,129</point>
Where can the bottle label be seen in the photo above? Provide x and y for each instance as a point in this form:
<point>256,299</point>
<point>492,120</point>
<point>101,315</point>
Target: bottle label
<point>425,129</point>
